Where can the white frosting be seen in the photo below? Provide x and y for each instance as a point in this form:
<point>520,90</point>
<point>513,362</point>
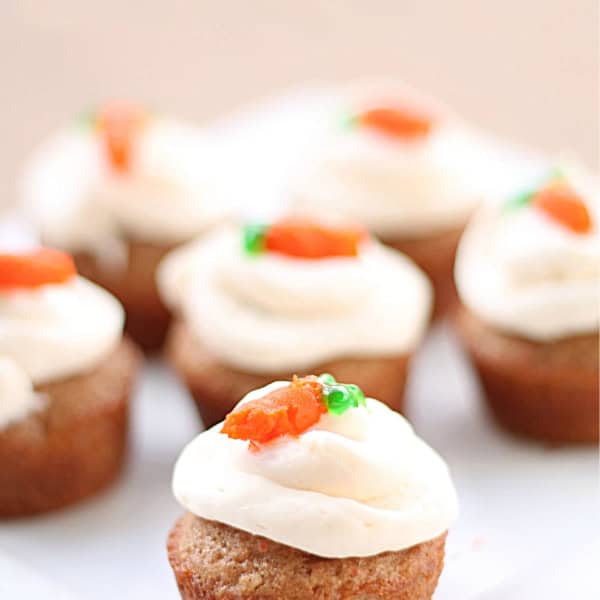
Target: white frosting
<point>170,195</point>
<point>17,398</point>
<point>272,313</point>
<point>353,485</point>
<point>395,187</point>
<point>16,234</point>
<point>524,273</point>
<point>55,331</point>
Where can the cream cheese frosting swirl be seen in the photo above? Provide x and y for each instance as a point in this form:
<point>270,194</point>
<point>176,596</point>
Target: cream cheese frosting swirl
<point>273,313</point>
<point>17,398</point>
<point>356,484</point>
<point>527,274</point>
<point>170,194</point>
<point>58,330</point>
<point>395,187</point>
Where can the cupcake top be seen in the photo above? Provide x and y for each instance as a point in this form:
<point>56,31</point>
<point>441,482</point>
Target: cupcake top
<point>53,324</point>
<point>123,173</point>
<point>531,267</point>
<point>315,465</point>
<point>395,161</point>
<point>292,294</point>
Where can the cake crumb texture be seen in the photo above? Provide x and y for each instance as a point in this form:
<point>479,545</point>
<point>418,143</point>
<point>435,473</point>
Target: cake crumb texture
<point>213,561</point>
<point>74,446</point>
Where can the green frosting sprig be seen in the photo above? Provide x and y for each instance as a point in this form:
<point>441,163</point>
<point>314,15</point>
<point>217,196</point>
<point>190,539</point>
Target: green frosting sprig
<point>253,238</point>
<point>524,198</point>
<point>349,122</point>
<point>339,397</point>
<point>88,119</point>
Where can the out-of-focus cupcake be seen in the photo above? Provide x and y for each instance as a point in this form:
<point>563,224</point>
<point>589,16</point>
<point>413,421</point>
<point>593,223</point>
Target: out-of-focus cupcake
<point>65,378</point>
<point>294,296</point>
<point>527,274</point>
<point>118,189</point>
<point>402,165</point>
<point>309,490</point>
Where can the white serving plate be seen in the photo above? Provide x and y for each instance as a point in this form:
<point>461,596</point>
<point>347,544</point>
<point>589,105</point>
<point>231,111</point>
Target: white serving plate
<point>529,524</point>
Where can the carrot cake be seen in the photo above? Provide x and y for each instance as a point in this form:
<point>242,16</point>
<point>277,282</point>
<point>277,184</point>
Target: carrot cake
<point>294,296</point>
<point>119,188</point>
<point>528,273</point>
<point>310,490</point>
<point>402,165</point>
<point>65,378</point>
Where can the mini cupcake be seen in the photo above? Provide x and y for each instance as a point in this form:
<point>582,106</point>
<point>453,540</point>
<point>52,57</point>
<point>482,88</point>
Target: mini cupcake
<point>527,274</point>
<point>403,166</point>
<point>293,296</point>
<point>309,490</point>
<point>119,189</point>
<point>65,377</point>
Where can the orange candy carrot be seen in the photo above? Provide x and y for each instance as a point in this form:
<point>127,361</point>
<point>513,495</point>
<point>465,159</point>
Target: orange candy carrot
<point>562,204</point>
<point>302,238</point>
<point>40,267</point>
<point>289,410</point>
<point>397,122</point>
<point>119,123</point>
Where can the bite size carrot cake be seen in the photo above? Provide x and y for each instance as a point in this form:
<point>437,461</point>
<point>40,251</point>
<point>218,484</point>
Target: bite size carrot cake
<point>528,274</point>
<point>119,188</point>
<point>310,490</point>
<point>405,167</point>
<point>265,301</point>
<point>66,374</point>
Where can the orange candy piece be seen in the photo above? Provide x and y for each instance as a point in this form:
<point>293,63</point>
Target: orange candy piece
<point>397,122</point>
<point>302,238</point>
<point>40,267</point>
<point>119,123</point>
<point>289,410</point>
<point>562,204</point>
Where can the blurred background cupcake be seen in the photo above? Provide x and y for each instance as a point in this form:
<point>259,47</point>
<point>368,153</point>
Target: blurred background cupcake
<point>289,297</point>
<point>527,273</point>
<point>66,374</point>
<point>402,165</point>
<point>118,188</point>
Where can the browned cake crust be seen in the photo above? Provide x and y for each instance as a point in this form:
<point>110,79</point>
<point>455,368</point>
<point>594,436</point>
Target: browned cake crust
<point>135,287</point>
<point>73,447</point>
<point>212,561</point>
<point>217,387</point>
<point>435,255</point>
<point>547,391</point>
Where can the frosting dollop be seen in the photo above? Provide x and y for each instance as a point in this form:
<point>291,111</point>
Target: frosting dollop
<point>55,331</point>
<point>525,273</point>
<point>396,187</point>
<point>170,193</point>
<point>356,484</point>
<point>270,312</point>
<point>17,398</point>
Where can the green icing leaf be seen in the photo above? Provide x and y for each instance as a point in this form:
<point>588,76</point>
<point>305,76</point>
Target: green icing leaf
<point>253,239</point>
<point>519,201</point>
<point>339,397</point>
<point>349,122</point>
<point>358,397</point>
<point>524,198</point>
<point>87,119</point>
<point>327,379</point>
